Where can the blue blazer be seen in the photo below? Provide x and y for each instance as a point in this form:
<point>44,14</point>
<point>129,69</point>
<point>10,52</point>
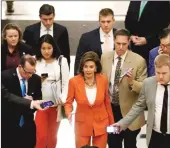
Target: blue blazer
<point>152,55</point>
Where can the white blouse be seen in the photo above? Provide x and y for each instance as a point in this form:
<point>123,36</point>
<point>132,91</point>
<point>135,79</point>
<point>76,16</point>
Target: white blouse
<point>53,70</point>
<point>91,94</point>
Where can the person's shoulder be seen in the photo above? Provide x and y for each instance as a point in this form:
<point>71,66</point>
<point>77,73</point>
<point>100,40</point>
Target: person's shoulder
<point>150,80</point>
<point>154,50</point>
<point>92,32</point>
<point>107,54</point>
<point>36,77</point>
<point>135,57</point>
<point>32,26</point>
<point>9,72</point>
<point>59,26</point>
<point>25,46</point>
<point>76,79</point>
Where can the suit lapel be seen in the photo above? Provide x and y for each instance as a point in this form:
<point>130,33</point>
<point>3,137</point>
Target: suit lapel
<point>54,32</point>
<point>98,41</point>
<point>126,63</point>
<point>37,31</point>
<point>153,90</point>
<point>17,83</point>
<point>110,61</point>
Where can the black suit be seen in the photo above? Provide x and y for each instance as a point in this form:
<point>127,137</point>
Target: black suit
<point>155,17</point>
<point>60,35</point>
<point>89,41</point>
<point>14,135</point>
<point>21,47</point>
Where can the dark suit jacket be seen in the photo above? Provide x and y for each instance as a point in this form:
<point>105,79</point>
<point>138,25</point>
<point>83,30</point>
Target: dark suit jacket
<point>60,35</point>
<point>89,41</point>
<point>21,47</point>
<point>11,113</point>
<point>152,55</point>
<point>7,97</point>
<point>155,17</point>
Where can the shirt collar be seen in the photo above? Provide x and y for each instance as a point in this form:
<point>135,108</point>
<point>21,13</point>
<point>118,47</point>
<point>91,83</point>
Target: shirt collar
<point>18,74</point>
<point>102,33</point>
<point>122,57</point>
<point>45,29</point>
<point>167,83</point>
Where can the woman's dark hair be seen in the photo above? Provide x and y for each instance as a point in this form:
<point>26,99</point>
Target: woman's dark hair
<point>50,40</point>
<point>90,56</point>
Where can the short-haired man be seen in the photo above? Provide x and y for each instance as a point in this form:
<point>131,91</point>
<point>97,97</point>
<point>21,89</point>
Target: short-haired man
<point>99,40</point>
<point>33,32</point>
<point>163,48</point>
<point>18,121</point>
<point>124,90</point>
<point>155,94</point>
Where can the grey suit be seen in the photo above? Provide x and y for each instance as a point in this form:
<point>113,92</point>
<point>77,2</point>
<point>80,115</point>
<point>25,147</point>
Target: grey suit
<point>146,98</point>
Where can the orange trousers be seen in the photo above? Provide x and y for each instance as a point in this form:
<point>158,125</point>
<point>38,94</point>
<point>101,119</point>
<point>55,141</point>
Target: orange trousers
<point>99,141</point>
<point>46,128</point>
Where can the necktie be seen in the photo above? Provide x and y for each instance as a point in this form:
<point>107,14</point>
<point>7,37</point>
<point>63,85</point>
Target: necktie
<point>142,6</point>
<point>115,99</point>
<point>163,127</point>
<point>48,31</point>
<point>106,45</point>
<point>23,90</point>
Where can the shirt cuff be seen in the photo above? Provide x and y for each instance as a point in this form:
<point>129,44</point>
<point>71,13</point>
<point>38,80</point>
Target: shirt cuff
<point>31,106</point>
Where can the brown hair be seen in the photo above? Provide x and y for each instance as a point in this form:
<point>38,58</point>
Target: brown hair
<point>11,26</point>
<point>90,56</point>
<point>162,60</point>
<point>106,12</point>
<point>27,58</point>
<point>122,32</point>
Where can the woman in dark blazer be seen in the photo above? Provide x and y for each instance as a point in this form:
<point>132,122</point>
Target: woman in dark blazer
<point>12,47</point>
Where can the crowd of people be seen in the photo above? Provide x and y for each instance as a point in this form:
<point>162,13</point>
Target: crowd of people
<point>118,73</point>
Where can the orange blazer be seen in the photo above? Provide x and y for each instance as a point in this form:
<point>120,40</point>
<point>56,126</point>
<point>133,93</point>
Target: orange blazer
<point>89,119</point>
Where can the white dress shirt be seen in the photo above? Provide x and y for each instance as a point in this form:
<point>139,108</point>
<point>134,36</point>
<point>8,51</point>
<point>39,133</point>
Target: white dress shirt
<point>26,83</point>
<point>102,39</point>
<point>158,108</point>
<point>20,80</point>
<point>43,30</point>
<point>91,94</point>
<point>114,68</point>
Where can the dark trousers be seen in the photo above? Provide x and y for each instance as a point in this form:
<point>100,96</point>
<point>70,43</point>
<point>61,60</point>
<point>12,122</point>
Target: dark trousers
<point>129,137</point>
<point>159,140</point>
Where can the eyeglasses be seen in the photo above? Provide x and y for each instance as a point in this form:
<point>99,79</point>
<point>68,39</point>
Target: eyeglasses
<point>165,45</point>
<point>27,72</point>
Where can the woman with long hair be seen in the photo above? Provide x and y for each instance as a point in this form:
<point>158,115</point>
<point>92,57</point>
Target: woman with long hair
<point>48,67</point>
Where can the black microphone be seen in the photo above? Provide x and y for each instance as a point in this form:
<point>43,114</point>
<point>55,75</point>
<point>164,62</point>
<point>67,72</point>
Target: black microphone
<point>101,42</point>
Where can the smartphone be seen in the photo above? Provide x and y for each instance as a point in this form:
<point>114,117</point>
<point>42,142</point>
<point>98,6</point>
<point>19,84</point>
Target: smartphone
<point>112,129</point>
<point>44,75</point>
<point>125,73</point>
<point>48,103</point>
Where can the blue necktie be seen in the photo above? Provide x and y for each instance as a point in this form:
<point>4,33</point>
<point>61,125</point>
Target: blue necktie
<point>23,89</point>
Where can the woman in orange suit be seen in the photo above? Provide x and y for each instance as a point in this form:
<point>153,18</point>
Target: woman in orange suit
<point>93,112</point>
